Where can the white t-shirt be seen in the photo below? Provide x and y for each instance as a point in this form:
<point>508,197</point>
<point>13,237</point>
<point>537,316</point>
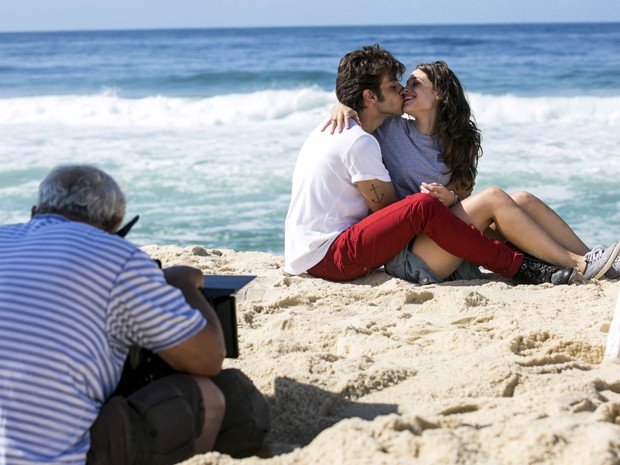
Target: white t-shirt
<point>325,200</point>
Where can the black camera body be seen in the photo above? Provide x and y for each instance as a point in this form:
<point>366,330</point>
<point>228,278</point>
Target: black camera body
<point>219,291</point>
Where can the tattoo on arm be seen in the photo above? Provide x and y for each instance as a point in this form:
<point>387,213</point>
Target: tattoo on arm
<point>377,199</point>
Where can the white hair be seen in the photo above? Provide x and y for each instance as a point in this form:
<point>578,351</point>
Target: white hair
<point>83,191</point>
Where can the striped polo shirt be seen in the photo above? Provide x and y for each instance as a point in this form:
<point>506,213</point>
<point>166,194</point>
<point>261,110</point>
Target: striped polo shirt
<point>73,299</point>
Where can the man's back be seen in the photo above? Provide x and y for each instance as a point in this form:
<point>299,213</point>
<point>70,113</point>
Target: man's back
<point>71,296</point>
<point>325,200</point>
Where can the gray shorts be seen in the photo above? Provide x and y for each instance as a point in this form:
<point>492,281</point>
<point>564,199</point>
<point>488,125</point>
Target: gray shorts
<point>408,266</point>
<point>157,424</point>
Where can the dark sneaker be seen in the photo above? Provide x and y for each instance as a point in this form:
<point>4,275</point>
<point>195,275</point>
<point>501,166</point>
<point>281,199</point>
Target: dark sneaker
<point>614,271</point>
<point>599,260</point>
<point>534,271</point>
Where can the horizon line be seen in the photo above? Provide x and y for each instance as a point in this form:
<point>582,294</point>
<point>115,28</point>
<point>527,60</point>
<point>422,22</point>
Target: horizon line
<point>310,26</point>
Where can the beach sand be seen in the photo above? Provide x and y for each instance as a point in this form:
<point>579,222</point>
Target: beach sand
<point>380,371</point>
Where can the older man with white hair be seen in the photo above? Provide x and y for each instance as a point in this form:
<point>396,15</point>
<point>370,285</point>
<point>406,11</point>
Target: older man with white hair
<point>74,297</point>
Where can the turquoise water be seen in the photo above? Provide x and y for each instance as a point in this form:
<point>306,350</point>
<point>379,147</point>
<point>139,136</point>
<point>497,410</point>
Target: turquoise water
<point>202,127</point>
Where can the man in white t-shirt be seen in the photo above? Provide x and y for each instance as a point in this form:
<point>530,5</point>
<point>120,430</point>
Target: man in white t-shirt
<point>345,220</point>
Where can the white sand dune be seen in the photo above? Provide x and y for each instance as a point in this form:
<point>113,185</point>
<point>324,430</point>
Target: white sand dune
<point>380,371</point>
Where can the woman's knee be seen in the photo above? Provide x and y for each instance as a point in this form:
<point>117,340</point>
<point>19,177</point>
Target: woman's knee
<point>495,195</point>
<point>525,199</point>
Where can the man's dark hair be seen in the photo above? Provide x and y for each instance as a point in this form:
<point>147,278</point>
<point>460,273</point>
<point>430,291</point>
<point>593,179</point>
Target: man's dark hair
<point>365,69</point>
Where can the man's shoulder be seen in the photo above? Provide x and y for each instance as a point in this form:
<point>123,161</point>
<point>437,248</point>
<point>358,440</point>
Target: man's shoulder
<point>78,228</point>
<point>355,130</point>
<point>58,232</point>
<point>339,141</point>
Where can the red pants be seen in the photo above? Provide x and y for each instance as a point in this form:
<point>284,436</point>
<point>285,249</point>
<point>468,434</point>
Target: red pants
<point>376,239</point>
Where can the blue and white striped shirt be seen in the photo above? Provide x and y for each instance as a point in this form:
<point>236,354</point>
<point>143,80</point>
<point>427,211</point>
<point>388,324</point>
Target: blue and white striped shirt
<point>73,299</point>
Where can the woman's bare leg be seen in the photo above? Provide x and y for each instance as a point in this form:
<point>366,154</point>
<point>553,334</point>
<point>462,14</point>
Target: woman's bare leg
<point>441,262</point>
<point>493,205</point>
<point>550,221</point>
<point>547,219</point>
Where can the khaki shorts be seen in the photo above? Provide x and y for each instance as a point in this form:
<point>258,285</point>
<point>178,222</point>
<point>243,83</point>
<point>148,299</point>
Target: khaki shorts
<point>157,424</point>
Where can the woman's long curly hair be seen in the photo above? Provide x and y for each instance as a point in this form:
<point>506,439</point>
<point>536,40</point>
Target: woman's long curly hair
<point>459,137</point>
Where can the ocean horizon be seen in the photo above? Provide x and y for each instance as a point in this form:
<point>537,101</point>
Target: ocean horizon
<point>201,127</point>
<point>326,26</point>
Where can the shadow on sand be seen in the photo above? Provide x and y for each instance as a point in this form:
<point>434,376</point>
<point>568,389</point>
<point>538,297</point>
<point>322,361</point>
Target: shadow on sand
<point>299,412</point>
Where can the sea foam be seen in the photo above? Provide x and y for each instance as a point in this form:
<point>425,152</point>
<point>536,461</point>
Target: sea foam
<point>196,156</point>
<point>107,109</point>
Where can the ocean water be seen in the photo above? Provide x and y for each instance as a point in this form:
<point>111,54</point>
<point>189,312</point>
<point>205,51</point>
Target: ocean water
<point>202,127</point>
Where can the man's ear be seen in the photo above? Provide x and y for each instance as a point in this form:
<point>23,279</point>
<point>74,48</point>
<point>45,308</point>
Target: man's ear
<point>113,225</point>
<point>369,96</point>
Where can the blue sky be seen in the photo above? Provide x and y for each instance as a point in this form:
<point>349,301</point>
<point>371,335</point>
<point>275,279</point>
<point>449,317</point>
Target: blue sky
<point>48,15</point>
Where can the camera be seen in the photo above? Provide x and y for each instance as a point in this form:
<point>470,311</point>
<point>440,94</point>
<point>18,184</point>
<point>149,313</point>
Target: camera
<point>219,291</point>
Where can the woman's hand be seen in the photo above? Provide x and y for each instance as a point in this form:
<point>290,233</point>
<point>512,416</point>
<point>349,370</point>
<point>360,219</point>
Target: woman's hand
<point>447,197</point>
<point>458,190</point>
<point>340,117</point>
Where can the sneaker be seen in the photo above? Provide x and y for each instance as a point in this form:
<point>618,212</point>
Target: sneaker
<point>599,260</point>
<point>614,271</point>
<point>534,271</point>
